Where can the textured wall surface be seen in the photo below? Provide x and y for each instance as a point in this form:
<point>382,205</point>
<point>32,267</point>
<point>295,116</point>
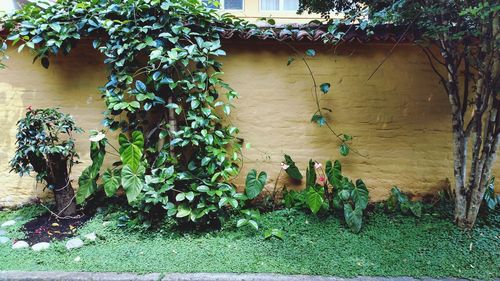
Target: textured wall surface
<point>399,118</point>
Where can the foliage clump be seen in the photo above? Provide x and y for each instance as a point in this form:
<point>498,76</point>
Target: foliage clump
<point>45,145</point>
<point>164,93</point>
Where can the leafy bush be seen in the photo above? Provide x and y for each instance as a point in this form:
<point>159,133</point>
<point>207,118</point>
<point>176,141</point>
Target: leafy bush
<point>177,155</point>
<point>399,201</point>
<point>45,145</point>
<point>329,188</point>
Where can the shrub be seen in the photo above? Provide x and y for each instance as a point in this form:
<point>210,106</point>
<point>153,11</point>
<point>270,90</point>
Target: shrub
<point>399,201</point>
<point>45,145</point>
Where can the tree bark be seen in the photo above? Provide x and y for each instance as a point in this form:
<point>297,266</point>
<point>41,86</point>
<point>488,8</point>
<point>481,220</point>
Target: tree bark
<point>63,191</point>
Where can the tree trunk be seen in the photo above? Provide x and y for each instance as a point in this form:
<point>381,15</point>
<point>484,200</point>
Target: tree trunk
<point>63,191</point>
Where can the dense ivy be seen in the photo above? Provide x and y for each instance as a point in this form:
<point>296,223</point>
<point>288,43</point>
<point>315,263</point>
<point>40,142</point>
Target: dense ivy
<point>164,92</point>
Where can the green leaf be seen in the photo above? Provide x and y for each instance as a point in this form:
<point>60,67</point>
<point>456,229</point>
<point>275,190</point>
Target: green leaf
<point>292,169</point>
<point>132,181</point>
<point>183,211</point>
<point>319,119</point>
<point>131,151</point>
<point>353,218</point>
<point>111,182</point>
<point>325,88</point>
<point>241,222</point>
<point>334,173</point>
<point>55,26</point>
<point>87,182</point>
<point>254,184</point>
<point>277,233</point>
<point>344,149</point>
<point>87,185</point>
<point>140,86</point>
<point>310,52</point>
<point>314,199</point>
<point>310,174</point>
<point>254,224</point>
<point>359,195</point>
<point>203,188</point>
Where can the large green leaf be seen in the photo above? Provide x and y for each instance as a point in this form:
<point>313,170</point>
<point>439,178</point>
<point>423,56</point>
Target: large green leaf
<point>314,199</point>
<point>310,174</point>
<point>292,169</point>
<point>334,173</point>
<point>353,218</point>
<point>254,184</point>
<point>132,181</point>
<point>87,184</point>
<point>359,195</point>
<point>131,151</point>
<point>111,182</point>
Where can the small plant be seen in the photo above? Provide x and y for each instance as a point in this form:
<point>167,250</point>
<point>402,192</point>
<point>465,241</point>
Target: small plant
<point>350,197</point>
<point>328,187</point>
<point>251,217</point>
<point>274,232</point>
<point>491,200</point>
<point>45,145</point>
<point>399,201</point>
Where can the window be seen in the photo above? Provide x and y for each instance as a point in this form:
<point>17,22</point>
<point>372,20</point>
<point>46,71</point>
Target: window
<point>226,4</point>
<point>279,5</point>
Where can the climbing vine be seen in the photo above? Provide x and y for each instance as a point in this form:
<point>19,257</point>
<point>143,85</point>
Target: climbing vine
<point>164,93</point>
<point>177,151</point>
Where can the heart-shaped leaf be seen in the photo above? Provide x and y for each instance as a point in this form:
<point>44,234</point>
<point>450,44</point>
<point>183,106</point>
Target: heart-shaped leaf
<point>314,199</point>
<point>334,173</point>
<point>325,87</point>
<point>359,195</point>
<point>254,184</point>
<point>131,151</point>
<point>111,182</point>
<point>132,181</point>
<point>292,169</point>
<point>353,218</point>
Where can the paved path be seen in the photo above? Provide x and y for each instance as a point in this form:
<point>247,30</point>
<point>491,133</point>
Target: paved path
<point>81,276</point>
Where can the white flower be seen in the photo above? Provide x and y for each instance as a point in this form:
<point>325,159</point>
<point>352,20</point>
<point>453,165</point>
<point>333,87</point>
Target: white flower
<point>317,165</point>
<point>284,166</point>
<point>77,259</point>
<point>98,137</point>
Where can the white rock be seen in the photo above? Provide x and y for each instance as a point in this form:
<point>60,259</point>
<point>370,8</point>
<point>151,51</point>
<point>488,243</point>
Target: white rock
<point>8,223</point>
<point>2,232</point>
<point>74,243</point>
<point>4,239</point>
<point>40,246</point>
<point>20,245</point>
<point>91,236</point>
<point>77,259</point>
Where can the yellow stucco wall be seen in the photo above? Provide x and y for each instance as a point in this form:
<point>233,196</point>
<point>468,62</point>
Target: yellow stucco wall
<point>399,119</point>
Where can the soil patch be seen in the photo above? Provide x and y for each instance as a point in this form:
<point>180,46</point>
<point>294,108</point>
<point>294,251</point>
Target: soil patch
<point>46,228</point>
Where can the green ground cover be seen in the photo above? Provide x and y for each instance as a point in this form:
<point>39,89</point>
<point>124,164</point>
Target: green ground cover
<point>388,245</point>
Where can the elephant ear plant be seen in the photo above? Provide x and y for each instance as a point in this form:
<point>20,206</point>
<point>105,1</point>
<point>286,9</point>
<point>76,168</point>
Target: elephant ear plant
<point>45,145</point>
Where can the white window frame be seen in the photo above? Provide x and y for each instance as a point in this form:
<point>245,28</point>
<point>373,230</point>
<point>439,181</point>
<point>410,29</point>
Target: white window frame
<point>281,7</point>
<point>222,4</point>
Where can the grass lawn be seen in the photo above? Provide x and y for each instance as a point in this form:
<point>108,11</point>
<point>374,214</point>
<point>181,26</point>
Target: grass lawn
<point>387,246</point>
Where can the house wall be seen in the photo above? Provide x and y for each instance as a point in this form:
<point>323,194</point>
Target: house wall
<point>252,12</point>
<point>399,118</point>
